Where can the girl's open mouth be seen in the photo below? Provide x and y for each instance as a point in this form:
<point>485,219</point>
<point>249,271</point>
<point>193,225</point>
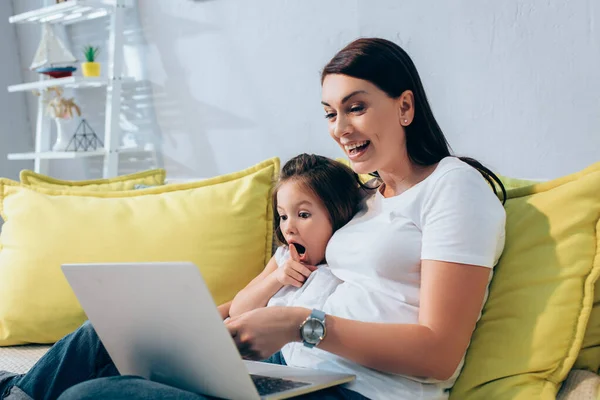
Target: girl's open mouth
<point>301,249</point>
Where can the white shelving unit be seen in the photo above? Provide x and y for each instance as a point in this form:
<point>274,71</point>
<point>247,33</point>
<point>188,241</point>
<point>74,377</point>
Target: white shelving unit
<point>66,155</point>
<point>76,82</point>
<point>65,13</point>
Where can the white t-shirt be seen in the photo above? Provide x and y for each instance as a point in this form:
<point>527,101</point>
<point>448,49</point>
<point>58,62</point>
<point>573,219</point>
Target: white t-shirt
<point>453,215</point>
<point>320,284</point>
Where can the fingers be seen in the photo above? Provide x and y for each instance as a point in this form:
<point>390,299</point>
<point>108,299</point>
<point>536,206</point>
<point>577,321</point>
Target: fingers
<point>305,270</point>
<point>244,345</point>
<point>294,278</point>
<point>231,328</point>
<point>290,277</point>
<point>295,273</point>
<point>293,282</point>
<point>251,355</point>
<point>244,348</point>
<point>294,253</point>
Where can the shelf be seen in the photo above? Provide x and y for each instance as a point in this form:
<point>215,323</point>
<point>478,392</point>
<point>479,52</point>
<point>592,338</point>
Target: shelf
<point>68,12</point>
<point>68,155</point>
<point>76,82</point>
<point>55,155</point>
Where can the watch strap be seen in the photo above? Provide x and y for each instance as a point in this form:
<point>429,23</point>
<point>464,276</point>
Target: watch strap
<point>318,314</point>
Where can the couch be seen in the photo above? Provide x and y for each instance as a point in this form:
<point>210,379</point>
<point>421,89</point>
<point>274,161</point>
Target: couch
<point>239,204</point>
<point>580,384</point>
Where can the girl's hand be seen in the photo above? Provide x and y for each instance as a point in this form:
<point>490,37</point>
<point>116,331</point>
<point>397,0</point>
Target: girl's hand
<point>260,333</point>
<point>293,272</point>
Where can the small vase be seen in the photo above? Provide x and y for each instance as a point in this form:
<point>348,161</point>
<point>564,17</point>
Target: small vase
<point>90,69</point>
<point>63,134</point>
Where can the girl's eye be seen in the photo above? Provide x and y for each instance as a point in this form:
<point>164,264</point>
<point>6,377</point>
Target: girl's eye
<point>304,215</point>
<point>329,115</point>
<point>283,217</point>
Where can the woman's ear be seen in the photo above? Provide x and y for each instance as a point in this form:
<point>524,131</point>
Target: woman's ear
<point>406,107</point>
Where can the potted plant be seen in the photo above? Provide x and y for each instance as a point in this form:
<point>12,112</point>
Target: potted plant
<point>62,110</point>
<point>90,67</point>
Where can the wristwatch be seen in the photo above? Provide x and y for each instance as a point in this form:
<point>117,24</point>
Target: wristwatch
<point>313,330</point>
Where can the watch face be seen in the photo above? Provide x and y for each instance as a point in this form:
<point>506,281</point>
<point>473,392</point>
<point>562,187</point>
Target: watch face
<point>313,330</point>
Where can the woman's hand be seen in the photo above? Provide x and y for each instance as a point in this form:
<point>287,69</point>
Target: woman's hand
<point>260,333</point>
<point>293,272</point>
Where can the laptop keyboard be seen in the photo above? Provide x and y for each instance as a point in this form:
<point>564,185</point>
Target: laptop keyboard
<point>269,385</point>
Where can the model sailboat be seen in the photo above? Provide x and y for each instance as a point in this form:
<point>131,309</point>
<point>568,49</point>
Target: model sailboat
<point>52,56</point>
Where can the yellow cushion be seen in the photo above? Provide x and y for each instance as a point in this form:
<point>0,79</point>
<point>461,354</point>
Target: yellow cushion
<point>364,178</point>
<point>223,225</point>
<point>513,183</point>
<point>542,293</point>
<point>152,177</point>
<point>589,355</point>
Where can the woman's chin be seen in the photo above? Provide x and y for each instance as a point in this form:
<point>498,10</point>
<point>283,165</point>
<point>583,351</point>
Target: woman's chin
<point>361,167</point>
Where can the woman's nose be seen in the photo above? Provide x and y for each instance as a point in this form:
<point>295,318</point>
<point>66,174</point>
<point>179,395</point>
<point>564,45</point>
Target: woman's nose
<point>342,126</point>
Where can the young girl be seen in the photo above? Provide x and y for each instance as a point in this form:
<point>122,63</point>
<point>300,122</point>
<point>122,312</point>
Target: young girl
<point>314,197</point>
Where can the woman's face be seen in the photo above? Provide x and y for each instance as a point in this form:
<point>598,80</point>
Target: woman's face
<point>366,122</point>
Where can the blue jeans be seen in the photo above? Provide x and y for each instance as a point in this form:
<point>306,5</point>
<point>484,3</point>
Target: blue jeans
<point>78,367</point>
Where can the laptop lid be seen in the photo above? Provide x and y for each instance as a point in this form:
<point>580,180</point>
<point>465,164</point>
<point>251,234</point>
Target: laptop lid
<point>159,321</point>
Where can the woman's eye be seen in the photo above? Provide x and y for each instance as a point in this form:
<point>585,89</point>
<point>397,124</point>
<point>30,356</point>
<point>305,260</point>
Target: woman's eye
<point>329,115</point>
<point>304,215</point>
<point>357,109</point>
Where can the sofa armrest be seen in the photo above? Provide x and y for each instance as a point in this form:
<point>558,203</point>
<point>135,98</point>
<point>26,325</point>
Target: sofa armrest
<point>580,385</point>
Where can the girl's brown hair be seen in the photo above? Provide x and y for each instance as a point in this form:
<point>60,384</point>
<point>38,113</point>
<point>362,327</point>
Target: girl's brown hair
<point>335,184</point>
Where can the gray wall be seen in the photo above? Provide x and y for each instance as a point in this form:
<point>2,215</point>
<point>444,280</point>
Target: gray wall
<point>513,83</point>
<point>16,134</point>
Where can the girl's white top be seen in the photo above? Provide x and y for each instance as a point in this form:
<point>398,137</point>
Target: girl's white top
<point>316,289</point>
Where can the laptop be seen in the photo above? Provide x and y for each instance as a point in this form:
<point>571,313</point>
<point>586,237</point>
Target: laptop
<point>159,321</point>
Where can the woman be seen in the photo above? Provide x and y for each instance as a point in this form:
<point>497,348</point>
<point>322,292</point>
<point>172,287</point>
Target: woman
<point>416,261</point>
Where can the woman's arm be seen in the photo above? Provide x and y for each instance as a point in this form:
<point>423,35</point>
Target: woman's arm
<point>258,292</point>
<point>451,299</point>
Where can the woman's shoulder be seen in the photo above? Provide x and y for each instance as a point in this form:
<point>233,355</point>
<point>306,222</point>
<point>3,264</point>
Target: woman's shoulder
<point>456,181</point>
<point>452,171</point>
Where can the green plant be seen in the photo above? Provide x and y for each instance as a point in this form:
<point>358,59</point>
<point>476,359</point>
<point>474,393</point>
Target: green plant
<point>90,53</point>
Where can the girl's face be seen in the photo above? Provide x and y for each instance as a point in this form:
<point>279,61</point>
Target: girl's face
<point>365,122</point>
<point>304,221</point>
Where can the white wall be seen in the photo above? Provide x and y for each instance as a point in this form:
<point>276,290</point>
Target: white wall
<point>514,83</point>
<point>15,131</point>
